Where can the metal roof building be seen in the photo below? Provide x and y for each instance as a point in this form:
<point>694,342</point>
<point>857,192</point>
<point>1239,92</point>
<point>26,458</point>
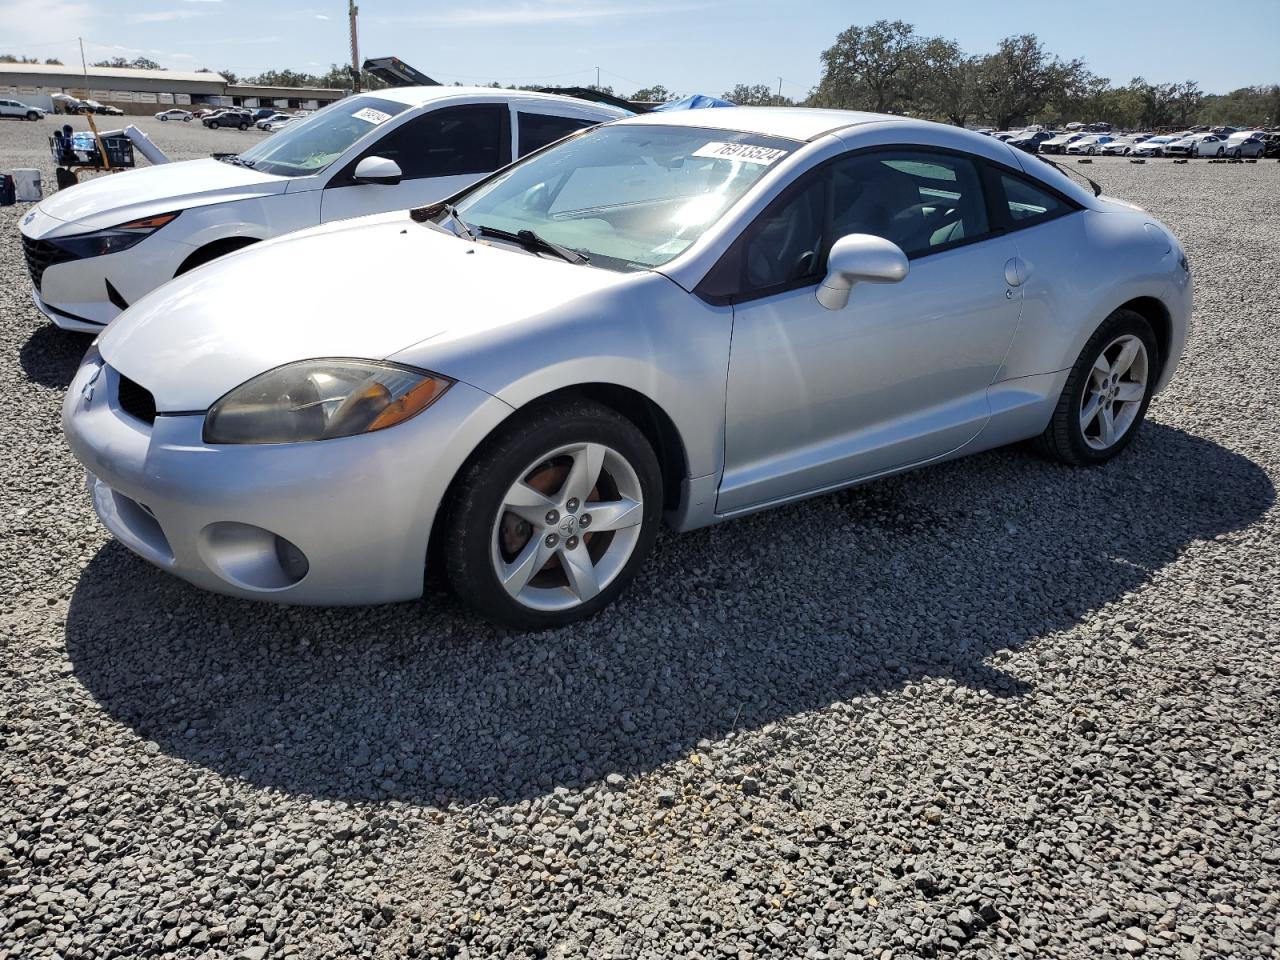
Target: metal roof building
<point>141,91</point>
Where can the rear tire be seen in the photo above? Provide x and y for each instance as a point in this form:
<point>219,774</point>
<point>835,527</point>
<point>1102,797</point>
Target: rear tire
<point>552,517</point>
<point>1104,400</point>
<point>33,115</point>
<point>244,126</point>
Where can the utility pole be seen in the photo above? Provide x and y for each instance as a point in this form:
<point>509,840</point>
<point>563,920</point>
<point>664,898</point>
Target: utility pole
<point>597,78</point>
<point>352,12</point>
<point>82,64</point>
<point>779,88</point>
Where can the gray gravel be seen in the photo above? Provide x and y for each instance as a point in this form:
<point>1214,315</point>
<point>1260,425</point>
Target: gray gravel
<point>996,708</point>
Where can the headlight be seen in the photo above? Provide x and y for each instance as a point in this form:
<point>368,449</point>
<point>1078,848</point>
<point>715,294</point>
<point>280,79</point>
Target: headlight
<point>114,239</point>
<point>321,400</point>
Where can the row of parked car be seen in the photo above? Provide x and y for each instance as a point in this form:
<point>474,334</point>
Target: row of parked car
<point>1223,142</point>
<point>264,119</point>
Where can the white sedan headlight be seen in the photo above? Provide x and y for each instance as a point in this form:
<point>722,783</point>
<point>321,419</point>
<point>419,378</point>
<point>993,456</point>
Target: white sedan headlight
<point>321,400</point>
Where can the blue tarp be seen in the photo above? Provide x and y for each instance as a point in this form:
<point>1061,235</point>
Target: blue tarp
<point>696,101</point>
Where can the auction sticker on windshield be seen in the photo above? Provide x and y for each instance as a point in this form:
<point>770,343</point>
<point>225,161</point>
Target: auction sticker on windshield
<point>370,115</point>
<point>744,152</point>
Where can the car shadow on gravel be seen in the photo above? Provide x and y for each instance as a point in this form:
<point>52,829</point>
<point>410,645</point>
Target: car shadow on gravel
<point>50,357</point>
<point>861,592</point>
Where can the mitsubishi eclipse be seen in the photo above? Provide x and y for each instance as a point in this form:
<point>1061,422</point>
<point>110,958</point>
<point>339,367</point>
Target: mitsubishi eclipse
<point>690,317</point>
<point>97,247</point>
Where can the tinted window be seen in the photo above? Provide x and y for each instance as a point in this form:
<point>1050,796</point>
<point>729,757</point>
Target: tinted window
<point>919,201</point>
<point>448,142</point>
<point>539,129</point>
<point>782,248</point>
<point>1028,202</point>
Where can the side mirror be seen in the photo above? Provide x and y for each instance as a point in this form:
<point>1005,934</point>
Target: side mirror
<point>860,257</point>
<point>377,170</point>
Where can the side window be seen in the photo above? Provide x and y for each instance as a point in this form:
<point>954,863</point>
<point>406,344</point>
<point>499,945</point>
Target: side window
<point>449,142</point>
<point>918,200</point>
<point>781,249</point>
<point>539,129</point>
<point>1029,204</point>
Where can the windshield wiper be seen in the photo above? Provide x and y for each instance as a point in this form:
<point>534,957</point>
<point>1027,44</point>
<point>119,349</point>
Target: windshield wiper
<point>235,158</point>
<point>451,212</point>
<point>536,243</point>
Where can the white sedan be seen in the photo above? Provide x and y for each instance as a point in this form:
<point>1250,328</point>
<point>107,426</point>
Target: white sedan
<point>1197,145</point>
<point>175,114</point>
<point>1090,145</point>
<point>97,247</point>
<point>692,316</point>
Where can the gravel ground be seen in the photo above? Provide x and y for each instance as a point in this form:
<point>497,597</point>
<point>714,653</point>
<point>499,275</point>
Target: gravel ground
<point>998,707</point>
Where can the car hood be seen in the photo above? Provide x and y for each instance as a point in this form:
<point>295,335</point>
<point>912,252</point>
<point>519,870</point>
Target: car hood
<point>121,197</point>
<point>375,286</point>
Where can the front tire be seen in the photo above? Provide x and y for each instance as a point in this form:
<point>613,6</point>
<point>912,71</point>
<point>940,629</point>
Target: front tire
<point>1220,151</point>
<point>551,519</point>
<point>1106,395</point>
<point>33,115</point>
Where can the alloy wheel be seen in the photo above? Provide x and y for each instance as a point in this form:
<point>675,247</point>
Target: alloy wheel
<point>1114,392</point>
<point>567,527</point>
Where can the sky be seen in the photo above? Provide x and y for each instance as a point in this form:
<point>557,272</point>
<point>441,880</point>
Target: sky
<point>690,46</point>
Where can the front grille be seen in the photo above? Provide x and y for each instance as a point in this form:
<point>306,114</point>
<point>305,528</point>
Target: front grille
<point>136,400</point>
<point>41,254</point>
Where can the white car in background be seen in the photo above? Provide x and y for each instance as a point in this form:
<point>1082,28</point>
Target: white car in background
<point>1090,145</point>
<point>1120,146</point>
<point>273,118</point>
<point>175,114</point>
<point>1197,145</point>
<point>1060,143</point>
<point>95,248</point>
<point>1154,146</point>
<point>279,123</point>
<point>1246,143</point>
<point>17,110</point>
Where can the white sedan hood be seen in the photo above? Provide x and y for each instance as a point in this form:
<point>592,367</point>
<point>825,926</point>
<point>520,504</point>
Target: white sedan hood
<point>364,288</point>
<point>120,197</point>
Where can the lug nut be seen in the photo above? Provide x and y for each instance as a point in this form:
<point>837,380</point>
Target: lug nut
<point>571,543</point>
<point>584,521</point>
<point>551,540</point>
<point>572,505</point>
<point>553,517</point>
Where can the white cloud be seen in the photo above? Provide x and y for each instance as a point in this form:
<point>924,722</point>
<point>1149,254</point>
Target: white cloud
<point>29,22</point>
<point>164,16</point>
<point>321,16</point>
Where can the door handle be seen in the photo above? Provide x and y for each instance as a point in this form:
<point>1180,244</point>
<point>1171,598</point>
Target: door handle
<point>1015,271</point>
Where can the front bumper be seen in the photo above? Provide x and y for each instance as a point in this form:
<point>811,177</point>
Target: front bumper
<point>358,509</point>
<point>73,293</point>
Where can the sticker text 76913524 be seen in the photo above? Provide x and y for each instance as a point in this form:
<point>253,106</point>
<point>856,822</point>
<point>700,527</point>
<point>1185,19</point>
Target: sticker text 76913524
<point>742,152</point>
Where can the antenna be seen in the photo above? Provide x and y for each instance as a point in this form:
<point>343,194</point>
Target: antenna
<point>352,12</point>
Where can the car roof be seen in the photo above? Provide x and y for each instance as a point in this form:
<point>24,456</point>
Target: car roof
<point>421,96</point>
<point>793,123</point>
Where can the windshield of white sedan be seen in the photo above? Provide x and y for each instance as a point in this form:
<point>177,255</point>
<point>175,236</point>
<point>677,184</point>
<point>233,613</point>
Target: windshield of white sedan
<point>628,197</point>
<point>308,146</point>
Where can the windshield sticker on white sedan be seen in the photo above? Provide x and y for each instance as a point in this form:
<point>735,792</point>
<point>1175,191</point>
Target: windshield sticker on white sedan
<point>744,152</point>
<point>370,115</point>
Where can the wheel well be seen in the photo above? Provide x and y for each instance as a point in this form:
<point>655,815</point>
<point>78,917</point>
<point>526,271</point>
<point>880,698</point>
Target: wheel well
<point>1157,315</point>
<point>211,251</point>
<point>649,418</point>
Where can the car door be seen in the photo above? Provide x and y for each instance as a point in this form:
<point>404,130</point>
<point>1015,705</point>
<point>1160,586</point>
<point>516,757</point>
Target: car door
<point>439,152</point>
<point>818,398</point>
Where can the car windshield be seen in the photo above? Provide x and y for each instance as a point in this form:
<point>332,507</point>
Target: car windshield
<point>308,146</point>
<point>628,197</point>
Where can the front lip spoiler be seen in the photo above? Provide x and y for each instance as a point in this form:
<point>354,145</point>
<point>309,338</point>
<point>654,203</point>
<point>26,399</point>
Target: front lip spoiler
<point>50,311</point>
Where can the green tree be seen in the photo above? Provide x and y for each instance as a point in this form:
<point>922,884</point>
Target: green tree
<point>755,95</point>
<point>655,94</point>
<point>944,81</point>
<point>137,63</point>
<point>1018,80</point>
<point>868,67</point>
